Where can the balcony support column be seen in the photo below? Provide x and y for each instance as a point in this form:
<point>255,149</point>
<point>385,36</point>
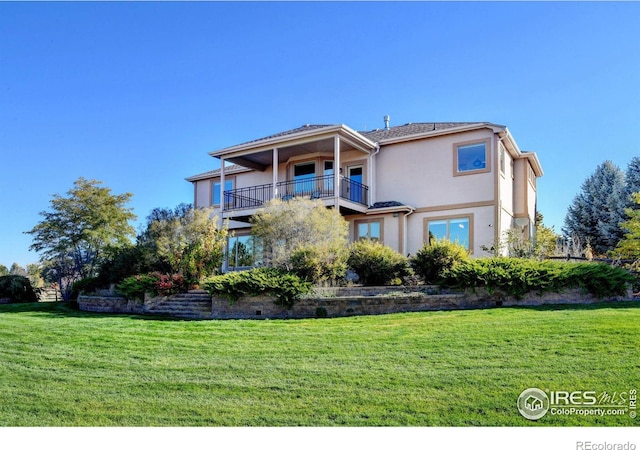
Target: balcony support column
<point>274,190</point>
<point>222,198</point>
<point>336,171</point>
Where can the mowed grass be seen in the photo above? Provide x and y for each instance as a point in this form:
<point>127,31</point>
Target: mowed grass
<point>60,367</point>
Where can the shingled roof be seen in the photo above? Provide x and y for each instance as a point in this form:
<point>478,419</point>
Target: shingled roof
<point>411,129</point>
<point>290,132</point>
<point>377,135</point>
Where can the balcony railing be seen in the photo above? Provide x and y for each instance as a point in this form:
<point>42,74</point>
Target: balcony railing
<point>315,188</point>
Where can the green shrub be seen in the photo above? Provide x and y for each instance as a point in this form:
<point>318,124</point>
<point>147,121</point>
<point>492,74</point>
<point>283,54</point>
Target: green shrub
<point>86,286</point>
<point>319,264</point>
<point>434,260</point>
<point>284,286</point>
<point>155,283</point>
<point>516,277</point>
<point>17,288</point>
<point>376,264</point>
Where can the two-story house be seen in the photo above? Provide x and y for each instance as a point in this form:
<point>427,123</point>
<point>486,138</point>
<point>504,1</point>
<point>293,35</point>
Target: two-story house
<point>402,185</point>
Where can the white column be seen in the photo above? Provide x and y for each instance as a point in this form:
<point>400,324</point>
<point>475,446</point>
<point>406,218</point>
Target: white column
<point>274,193</point>
<point>221,186</point>
<point>370,176</point>
<point>336,170</point>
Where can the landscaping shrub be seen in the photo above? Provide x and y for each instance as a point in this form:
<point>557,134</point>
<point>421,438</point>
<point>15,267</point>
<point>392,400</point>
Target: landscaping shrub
<point>86,286</point>
<point>377,264</point>
<point>17,289</point>
<point>155,283</point>
<point>516,277</point>
<point>286,287</point>
<point>320,264</point>
<point>435,259</point>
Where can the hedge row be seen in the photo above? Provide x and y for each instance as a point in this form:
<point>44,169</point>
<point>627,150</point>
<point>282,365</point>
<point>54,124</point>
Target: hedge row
<point>284,286</point>
<point>516,277</point>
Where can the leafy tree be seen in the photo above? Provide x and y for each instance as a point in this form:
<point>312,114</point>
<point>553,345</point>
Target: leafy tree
<point>3,270</point>
<point>79,230</point>
<point>17,269</point>
<point>597,211</point>
<point>34,273</point>
<point>629,246</point>
<point>546,241</point>
<point>283,227</point>
<point>187,239</point>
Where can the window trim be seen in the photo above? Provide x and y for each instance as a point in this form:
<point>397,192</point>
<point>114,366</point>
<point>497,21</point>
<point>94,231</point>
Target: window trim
<point>487,156</point>
<point>448,218</point>
<point>213,184</point>
<point>227,250</point>
<point>356,223</point>
<point>531,176</point>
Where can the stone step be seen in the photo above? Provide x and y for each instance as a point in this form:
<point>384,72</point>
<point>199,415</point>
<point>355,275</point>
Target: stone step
<point>181,307</point>
<point>185,301</point>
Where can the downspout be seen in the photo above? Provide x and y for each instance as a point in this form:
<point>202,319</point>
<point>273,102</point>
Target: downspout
<point>373,183</point>
<point>498,216</point>
<point>405,244</point>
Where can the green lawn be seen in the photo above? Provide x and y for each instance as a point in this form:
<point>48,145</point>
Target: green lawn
<point>60,367</point>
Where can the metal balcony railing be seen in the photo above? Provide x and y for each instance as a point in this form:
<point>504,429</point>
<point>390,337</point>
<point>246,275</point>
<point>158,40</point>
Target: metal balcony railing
<point>315,188</point>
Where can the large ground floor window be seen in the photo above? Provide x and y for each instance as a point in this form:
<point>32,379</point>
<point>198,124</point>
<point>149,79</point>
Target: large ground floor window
<point>454,229</point>
<point>368,229</point>
<point>240,252</point>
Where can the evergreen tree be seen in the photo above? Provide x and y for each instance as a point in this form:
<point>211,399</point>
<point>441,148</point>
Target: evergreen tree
<point>597,211</point>
<point>632,178</point>
<point>17,269</point>
<point>629,246</point>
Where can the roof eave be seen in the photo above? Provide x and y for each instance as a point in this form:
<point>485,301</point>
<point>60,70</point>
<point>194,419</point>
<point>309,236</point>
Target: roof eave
<point>412,137</point>
<point>292,138</point>
<point>209,175</point>
<point>390,209</point>
<point>519,154</point>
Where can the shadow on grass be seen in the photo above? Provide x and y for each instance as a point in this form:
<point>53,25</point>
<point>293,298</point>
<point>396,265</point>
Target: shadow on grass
<point>581,307</point>
<point>70,309</point>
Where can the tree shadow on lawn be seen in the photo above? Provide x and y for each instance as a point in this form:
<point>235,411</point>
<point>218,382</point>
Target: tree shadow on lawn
<point>70,309</point>
<point>582,307</point>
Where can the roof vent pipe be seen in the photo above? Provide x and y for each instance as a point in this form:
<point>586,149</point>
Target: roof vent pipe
<point>386,122</point>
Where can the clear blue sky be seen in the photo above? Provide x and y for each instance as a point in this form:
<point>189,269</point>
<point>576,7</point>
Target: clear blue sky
<point>136,94</point>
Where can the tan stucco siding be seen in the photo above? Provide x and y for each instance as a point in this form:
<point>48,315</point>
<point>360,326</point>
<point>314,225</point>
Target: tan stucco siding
<point>202,192</point>
<point>421,173</point>
<point>481,227</point>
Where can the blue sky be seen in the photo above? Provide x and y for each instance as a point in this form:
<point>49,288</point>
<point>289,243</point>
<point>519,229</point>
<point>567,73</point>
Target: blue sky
<point>136,94</point>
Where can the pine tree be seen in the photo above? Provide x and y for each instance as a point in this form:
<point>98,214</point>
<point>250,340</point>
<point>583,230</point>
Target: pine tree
<point>597,211</point>
<point>632,178</point>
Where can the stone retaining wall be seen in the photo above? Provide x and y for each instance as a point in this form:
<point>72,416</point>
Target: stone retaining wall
<point>327,303</point>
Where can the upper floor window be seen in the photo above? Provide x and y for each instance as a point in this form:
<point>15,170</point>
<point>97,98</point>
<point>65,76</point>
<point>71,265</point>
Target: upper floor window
<point>228,185</point>
<point>471,157</point>
<point>304,176</point>
<point>531,175</point>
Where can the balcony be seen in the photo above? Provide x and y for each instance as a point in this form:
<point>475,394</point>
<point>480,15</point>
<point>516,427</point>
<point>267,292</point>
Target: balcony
<point>315,188</point>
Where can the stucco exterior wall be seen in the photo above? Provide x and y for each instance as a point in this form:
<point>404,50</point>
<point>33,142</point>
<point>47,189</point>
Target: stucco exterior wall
<point>421,173</point>
<point>481,227</point>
